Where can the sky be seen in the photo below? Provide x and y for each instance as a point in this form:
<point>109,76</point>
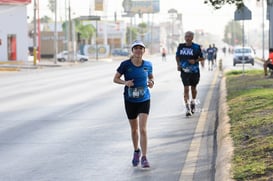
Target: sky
<point>195,14</point>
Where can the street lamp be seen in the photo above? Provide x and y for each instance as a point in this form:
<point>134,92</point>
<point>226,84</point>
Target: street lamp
<point>173,16</point>
<point>263,27</point>
<point>270,17</point>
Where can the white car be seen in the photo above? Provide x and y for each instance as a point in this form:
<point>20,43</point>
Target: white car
<point>243,55</point>
<point>63,56</point>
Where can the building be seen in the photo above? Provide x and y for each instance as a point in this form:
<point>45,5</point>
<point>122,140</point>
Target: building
<point>13,30</point>
<point>109,35</point>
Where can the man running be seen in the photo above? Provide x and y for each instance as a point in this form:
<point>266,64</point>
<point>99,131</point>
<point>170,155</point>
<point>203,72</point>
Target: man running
<point>188,55</point>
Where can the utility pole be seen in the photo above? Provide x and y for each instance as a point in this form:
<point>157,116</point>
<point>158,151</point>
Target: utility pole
<point>55,33</point>
<point>66,27</point>
<point>71,46</point>
<point>39,32</point>
<point>35,33</point>
<point>96,40</point>
<point>263,29</point>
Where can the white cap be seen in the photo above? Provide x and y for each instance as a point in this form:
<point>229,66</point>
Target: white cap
<point>137,43</point>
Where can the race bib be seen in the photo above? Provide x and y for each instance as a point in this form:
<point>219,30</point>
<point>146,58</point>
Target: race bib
<point>136,92</point>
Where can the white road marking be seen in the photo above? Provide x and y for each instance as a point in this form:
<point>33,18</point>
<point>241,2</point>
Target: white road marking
<point>188,170</point>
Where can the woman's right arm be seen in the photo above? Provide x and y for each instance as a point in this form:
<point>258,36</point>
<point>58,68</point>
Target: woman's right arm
<point>118,80</point>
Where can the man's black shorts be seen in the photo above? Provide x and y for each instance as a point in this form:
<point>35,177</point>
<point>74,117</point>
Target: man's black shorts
<point>133,109</point>
<point>190,79</point>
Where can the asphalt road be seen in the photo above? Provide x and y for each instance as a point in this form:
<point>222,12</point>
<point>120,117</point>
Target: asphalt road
<point>68,124</point>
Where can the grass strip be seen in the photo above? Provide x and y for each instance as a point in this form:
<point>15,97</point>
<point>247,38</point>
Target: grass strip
<point>250,102</point>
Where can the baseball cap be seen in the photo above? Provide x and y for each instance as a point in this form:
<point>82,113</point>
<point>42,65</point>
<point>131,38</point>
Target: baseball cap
<point>137,43</point>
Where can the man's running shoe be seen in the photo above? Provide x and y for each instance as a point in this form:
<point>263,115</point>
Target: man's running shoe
<point>192,107</point>
<point>144,162</point>
<point>188,110</point>
<point>136,157</point>
<point>188,113</point>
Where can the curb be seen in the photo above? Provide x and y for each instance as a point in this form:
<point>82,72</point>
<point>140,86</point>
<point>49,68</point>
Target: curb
<point>17,66</point>
<point>10,66</point>
<point>9,69</point>
<point>224,140</point>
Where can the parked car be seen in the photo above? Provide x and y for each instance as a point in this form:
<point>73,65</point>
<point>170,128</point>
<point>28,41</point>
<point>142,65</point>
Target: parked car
<point>243,55</point>
<point>120,52</point>
<point>63,56</point>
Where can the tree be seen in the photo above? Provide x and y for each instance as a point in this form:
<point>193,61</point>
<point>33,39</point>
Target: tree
<point>233,33</point>
<point>45,19</point>
<point>142,30</point>
<point>51,5</point>
<point>131,34</point>
<point>217,4</point>
<point>86,32</point>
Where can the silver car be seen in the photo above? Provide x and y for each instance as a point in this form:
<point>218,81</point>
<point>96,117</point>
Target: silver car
<point>243,55</point>
<point>64,56</point>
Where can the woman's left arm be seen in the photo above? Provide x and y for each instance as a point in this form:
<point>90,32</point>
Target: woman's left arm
<point>151,81</point>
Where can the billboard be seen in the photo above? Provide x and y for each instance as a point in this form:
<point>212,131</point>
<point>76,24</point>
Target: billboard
<point>98,5</point>
<point>141,6</point>
<point>15,1</point>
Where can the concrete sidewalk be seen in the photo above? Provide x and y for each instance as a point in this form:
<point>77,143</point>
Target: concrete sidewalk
<point>44,63</point>
<point>18,65</point>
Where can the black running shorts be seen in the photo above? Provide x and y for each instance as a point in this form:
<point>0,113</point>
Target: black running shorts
<point>190,79</point>
<point>133,109</point>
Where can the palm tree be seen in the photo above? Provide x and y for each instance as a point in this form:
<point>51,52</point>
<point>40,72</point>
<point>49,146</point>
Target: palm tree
<point>142,30</point>
<point>86,32</point>
<point>131,34</point>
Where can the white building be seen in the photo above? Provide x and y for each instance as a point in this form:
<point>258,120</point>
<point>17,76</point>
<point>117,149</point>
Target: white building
<point>13,30</point>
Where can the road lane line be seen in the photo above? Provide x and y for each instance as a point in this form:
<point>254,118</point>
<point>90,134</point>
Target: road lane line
<point>189,167</point>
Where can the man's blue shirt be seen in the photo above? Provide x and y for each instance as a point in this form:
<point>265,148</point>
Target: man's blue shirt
<point>210,52</point>
<point>185,53</point>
